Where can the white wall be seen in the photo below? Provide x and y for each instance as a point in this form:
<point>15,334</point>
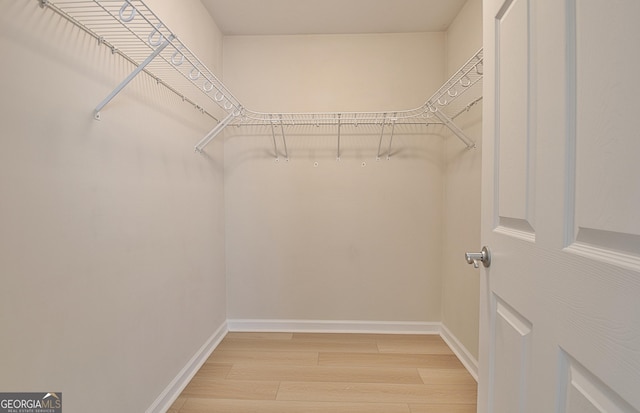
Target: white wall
<point>329,73</point>
<point>461,288</point>
<point>340,241</point>
<point>111,232</point>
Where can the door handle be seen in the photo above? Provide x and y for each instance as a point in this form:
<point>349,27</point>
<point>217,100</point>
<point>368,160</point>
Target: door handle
<point>476,258</point>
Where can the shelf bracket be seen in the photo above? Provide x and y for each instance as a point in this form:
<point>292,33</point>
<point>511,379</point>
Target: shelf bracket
<point>339,127</point>
<point>284,140</point>
<point>455,129</point>
<point>214,132</point>
<point>393,129</point>
<point>384,120</point>
<point>273,135</point>
<point>131,76</point>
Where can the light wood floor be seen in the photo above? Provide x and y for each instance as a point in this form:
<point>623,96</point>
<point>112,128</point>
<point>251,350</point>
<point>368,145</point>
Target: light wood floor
<point>330,373</point>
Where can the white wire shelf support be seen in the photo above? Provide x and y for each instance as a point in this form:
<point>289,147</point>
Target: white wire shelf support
<point>132,30</point>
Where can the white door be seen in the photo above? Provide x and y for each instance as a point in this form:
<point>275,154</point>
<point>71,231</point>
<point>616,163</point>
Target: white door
<point>560,306</point>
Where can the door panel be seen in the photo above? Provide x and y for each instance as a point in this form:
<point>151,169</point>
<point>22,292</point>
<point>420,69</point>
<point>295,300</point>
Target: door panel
<point>584,393</point>
<point>560,320</point>
<point>512,341</point>
<point>515,180</point>
<point>605,96</point>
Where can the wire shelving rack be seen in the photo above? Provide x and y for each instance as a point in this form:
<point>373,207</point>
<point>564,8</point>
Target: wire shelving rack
<point>131,29</point>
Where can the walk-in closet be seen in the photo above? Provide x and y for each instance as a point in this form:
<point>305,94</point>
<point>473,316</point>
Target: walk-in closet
<point>169,179</point>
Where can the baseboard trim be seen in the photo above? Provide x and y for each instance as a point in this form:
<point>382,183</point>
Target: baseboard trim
<point>469,362</point>
<point>177,385</point>
<point>334,326</point>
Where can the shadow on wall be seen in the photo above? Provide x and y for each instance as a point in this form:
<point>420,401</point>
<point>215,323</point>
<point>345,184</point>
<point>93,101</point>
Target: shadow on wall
<point>362,144</point>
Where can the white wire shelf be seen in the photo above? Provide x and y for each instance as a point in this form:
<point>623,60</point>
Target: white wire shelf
<point>466,81</point>
<point>457,95</point>
<point>131,29</point>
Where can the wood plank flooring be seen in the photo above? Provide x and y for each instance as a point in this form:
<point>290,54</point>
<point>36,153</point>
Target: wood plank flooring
<point>330,373</point>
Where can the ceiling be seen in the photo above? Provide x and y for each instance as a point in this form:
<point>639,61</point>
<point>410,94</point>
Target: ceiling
<point>283,17</point>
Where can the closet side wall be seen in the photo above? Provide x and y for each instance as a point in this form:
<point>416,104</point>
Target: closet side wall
<point>461,288</point>
<point>111,231</point>
<point>314,238</point>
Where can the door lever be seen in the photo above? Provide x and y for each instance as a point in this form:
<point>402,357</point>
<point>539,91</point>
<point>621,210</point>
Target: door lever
<point>476,258</point>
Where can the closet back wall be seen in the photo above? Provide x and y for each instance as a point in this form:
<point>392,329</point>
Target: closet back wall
<point>314,238</point>
<point>111,231</point>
